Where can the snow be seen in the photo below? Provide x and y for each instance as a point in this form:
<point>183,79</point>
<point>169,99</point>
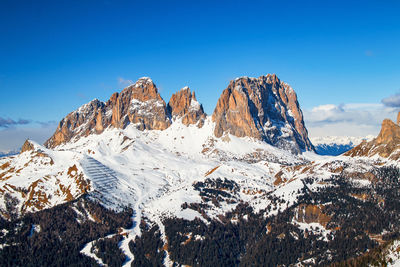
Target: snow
<point>194,105</point>
<point>153,172</point>
<point>393,257</point>
<point>86,250</point>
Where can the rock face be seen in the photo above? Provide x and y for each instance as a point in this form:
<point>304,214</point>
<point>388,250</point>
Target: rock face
<point>386,144</point>
<point>183,105</point>
<point>27,146</point>
<point>139,104</point>
<point>390,133</point>
<point>81,122</point>
<point>265,109</point>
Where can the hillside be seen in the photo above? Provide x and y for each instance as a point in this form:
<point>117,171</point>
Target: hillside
<point>240,187</point>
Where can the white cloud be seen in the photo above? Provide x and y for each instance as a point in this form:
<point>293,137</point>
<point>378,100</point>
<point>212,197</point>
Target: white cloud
<point>12,138</point>
<point>353,119</point>
<point>124,82</point>
<point>392,101</point>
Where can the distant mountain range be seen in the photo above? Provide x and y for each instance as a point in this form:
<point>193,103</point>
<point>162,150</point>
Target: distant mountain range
<point>8,153</point>
<point>336,145</point>
<point>136,181</point>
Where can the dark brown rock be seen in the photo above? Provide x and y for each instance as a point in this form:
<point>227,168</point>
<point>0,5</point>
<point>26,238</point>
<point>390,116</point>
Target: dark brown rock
<point>27,146</point>
<point>265,109</point>
<point>140,104</point>
<point>78,123</point>
<point>183,105</point>
<point>386,144</point>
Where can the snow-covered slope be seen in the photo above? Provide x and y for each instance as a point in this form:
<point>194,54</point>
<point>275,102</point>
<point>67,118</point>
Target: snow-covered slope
<point>158,173</point>
<point>177,168</point>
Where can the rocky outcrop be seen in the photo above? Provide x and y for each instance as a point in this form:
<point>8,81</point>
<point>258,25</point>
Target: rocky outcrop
<point>27,146</point>
<point>386,144</point>
<point>264,108</point>
<point>183,105</point>
<point>308,213</point>
<point>390,133</point>
<point>81,122</point>
<point>139,104</point>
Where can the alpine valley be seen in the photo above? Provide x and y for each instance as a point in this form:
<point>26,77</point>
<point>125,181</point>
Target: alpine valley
<point>136,181</point>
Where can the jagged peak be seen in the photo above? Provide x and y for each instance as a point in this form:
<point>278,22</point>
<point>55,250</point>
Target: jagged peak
<point>390,132</point>
<point>183,104</point>
<point>27,146</point>
<point>269,78</point>
<point>252,106</point>
<point>141,82</point>
<point>94,102</point>
<point>386,144</point>
<point>145,80</point>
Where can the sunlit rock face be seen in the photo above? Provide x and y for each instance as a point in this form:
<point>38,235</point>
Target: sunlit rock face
<point>264,108</point>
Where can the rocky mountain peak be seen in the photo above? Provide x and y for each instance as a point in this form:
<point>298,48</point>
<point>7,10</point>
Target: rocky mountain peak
<point>139,104</point>
<point>143,90</point>
<point>27,146</point>
<point>390,132</point>
<point>184,105</point>
<point>81,122</point>
<point>263,108</point>
<point>386,144</point>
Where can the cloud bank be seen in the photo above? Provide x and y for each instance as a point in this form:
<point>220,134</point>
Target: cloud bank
<point>14,135</point>
<point>347,119</point>
<point>5,123</point>
<point>392,101</point>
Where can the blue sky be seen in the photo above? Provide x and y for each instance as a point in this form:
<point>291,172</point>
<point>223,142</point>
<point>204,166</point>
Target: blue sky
<point>57,55</point>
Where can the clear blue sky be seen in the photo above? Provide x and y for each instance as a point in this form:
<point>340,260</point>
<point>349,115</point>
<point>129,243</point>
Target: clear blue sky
<point>58,55</point>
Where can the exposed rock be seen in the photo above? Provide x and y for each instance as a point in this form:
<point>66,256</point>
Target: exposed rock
<point>27,146</point>
<point>390,132</point>
<point>398,118</point>
<point>265,109</point>
<point>312,214</point>
<point>80,122</point>
<point>140,104</point>
<point>386,144</point>
<point>184,105</point>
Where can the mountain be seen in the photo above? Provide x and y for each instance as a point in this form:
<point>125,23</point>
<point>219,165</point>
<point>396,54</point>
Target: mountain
<point>184,105</point>
<point>263,108</point>
<point>139,104</point>
<point>336,145</point>
<point>134,181</point>
<point>386,144</point>
<point>8,153</point>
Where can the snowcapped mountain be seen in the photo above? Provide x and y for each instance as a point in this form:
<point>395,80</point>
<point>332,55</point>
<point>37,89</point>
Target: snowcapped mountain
<point>7,153</point>
<point>190,180</point>
<point>336,145</point>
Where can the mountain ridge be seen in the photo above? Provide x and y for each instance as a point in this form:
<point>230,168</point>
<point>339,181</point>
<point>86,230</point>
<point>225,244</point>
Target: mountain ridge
<point>187,189</point>
<point>271,113</point>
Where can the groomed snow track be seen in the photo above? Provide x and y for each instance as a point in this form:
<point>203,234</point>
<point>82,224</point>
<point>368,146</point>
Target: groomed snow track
<point>105,182</point>
<point>104,178</point>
